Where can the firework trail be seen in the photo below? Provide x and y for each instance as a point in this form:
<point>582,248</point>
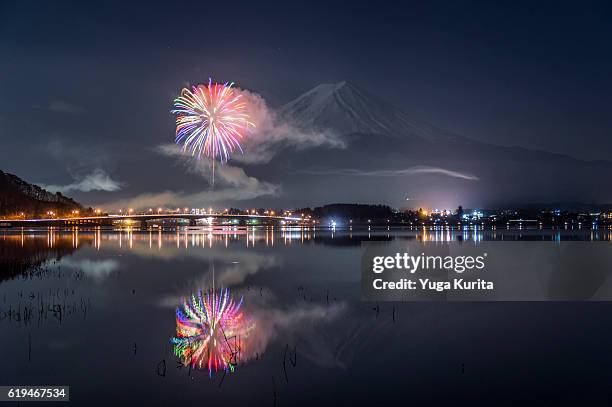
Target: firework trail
<point>211,121</point>
<point>211,331</point>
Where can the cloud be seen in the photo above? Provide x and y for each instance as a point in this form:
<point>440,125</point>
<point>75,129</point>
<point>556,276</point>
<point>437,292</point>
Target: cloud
<point>273,133</point>
<point>300,322</point>
<point>416,170</point>
<point>231,184</point>
<point>98,180</point>
<point>76,157</point>
<point>224,175</point>
<point>96,269</point>
<point>172,199</point>
<point>233,266</point>
<point>61,106</point>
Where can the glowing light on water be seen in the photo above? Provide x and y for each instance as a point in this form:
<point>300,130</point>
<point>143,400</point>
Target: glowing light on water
<point>211,331</point>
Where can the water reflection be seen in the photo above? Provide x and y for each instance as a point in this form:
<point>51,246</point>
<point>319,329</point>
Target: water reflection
<point>212,331</point>
<point>35,260</point>
<point>63,291</point>
<point>268,236</point>
<point>25,255</point>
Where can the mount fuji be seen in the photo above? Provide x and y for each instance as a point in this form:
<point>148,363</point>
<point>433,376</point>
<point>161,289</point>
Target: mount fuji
<point>349,110</point>
<point>391,156</point>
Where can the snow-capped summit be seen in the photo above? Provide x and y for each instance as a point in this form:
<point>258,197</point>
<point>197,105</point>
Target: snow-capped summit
<point>349,110</point>
<point>383,144</point>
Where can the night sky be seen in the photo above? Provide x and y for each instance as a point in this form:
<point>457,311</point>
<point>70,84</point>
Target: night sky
<point>86,88</point>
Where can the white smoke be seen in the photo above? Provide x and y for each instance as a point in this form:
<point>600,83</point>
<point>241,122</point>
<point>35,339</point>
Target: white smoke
<point>273,133</point>
<point>419,169</point>
<point>98,180</point>
<point>231,184</point>
<point>172,199</point>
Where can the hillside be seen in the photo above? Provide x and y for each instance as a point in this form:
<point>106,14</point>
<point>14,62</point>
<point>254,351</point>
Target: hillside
<point>395,156</point>
<point>19,197</point>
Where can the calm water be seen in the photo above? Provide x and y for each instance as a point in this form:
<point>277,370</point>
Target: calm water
<point>96,310</point>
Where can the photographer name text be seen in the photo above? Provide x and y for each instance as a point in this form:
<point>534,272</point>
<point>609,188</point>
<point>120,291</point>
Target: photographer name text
<point>406,263</point>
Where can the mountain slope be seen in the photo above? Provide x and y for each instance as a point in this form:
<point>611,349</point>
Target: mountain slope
<point>391,156</point>
<point>18,196</point>
<point>349,110</point>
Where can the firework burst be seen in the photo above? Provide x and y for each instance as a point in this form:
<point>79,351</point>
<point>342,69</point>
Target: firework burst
<point>210,331</point>
<point>211,120</point>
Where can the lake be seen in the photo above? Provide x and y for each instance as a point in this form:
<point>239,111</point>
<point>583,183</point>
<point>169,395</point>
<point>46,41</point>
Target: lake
<point>96,310</point>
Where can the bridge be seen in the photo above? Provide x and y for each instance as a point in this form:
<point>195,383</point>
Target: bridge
<point>142,219</point>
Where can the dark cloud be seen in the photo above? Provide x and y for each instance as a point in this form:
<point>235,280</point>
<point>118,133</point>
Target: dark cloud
<point>61,106</point>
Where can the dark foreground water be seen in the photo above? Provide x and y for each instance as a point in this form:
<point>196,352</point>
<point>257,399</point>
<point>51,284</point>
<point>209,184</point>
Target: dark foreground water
<point>95,310</point>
